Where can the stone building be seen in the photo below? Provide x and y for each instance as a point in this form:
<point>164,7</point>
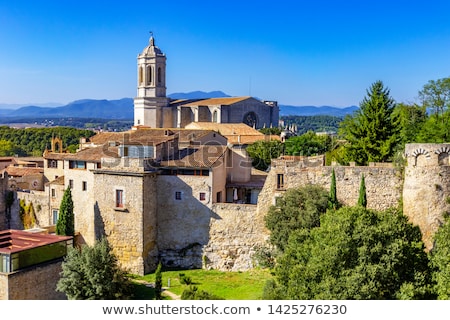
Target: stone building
<point>151,192</point>
<point>154,109</point>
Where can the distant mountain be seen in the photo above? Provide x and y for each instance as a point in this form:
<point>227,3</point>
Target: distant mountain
<point>11,106</point>
<point>123,109</point>
<point>104,109</point>
<point>286,110</point>
<point>198,95</point>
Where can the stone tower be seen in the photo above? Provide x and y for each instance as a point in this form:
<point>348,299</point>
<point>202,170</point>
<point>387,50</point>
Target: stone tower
<point>426,190</point>
<point>151,104</point>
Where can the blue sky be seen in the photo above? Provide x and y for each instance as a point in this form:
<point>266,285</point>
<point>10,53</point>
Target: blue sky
<point>295,52</point>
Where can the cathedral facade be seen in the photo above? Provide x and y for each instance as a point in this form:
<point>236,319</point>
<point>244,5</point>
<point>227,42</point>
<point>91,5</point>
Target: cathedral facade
<point>152,108</point>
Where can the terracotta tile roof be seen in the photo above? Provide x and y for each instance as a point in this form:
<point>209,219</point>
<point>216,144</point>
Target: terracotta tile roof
<point>141,135</point>
<point>225,129</point>
<point>22,171</point>
<point>89,154</point>
<point>12,241</point>
<point>201,157</point>
<point>217,101</point>
<point>236,133</point>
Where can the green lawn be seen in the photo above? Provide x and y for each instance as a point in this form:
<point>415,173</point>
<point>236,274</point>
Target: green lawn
<point>228,285</point>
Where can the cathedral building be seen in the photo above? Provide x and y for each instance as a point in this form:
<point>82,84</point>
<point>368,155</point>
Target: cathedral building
<point>152,108</point>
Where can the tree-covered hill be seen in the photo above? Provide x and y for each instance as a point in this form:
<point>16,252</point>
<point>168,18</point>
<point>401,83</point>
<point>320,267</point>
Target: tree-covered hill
<point>33,141</point>
<point>320,123</point>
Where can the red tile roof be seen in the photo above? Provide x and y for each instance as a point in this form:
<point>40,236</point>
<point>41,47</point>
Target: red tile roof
<point>18,240</point>
<point>22,171</point>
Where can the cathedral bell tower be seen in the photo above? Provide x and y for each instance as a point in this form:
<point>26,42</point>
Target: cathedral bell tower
<point>151,104</point>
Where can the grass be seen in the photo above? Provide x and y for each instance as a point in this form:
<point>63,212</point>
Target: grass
<point>228,285</point>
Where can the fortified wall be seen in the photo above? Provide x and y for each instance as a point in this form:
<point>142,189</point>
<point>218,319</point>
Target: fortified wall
<point>383,181</point>
<point>426,191</point>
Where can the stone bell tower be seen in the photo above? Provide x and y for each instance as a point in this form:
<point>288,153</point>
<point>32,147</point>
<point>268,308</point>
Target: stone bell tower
<point>151,104</point>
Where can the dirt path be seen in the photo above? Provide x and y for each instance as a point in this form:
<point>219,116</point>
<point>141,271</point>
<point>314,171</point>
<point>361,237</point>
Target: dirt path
<point>170,294</point>
<point>164,292</point>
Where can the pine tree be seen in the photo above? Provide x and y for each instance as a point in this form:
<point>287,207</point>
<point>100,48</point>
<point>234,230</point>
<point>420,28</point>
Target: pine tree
<point>66,224</point>
<point>362,199</point>
<point>372,132</point>
<point>333,202</point>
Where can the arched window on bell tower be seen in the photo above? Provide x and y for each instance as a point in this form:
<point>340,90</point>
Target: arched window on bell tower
<point>141,76</point>
<point>159,74</point>
<point>149,75</point>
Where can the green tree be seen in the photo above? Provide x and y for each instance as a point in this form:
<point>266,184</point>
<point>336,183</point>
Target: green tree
<point>271,131</point>
<point>262,153</point>
<point>333,201</point>
<point>410,120</point>
<point>362,198</point>
<point>8,148</point>
<point>158,282</point>
<point>435,129</point>
<point>93,273</point>
<point>299,208</point>
<point>440,260</point>
<point>355,253</point>
<point>371,132</point>
<point>308,144</point>
<point>65,225</point>
<point>436,95</point>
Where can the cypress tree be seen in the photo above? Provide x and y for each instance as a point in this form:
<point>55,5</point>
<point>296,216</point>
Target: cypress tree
<point>362,199</point>
<point>333,202</point>
<point>158,282</point>
<point>66,224</point>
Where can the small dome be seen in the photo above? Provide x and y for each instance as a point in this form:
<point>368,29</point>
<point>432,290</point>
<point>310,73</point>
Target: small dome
<point>151,49</point>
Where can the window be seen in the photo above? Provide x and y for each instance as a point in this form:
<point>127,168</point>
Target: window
<point>159,75</point>
<point>74,164</point>
<point>119,198</point>
<point>53,193</point>
<point>149,75</point>
<point>140,75</point>
<point>55,215</point>
<point>202,196</point>
<point>177,195</point>
<point>280,181</point>
<point>84,185</point>
<point>71,184</point>
<point>52,164</point>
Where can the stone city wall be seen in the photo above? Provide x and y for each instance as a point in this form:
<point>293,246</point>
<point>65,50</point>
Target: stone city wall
<point>40,200</point>
<point>235,232</point>
<point>383,184</point>
<point>183,219</point>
